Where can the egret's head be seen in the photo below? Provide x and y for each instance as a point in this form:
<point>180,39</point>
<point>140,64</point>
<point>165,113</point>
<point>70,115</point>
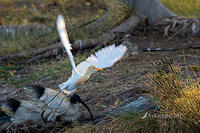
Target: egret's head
<point>93,69</point>
<point>90,70</point>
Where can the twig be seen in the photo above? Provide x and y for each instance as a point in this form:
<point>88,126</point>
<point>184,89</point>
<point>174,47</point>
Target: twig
<point>180,30</point>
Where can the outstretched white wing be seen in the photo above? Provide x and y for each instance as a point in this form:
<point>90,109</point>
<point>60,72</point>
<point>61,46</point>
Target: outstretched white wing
<point>64,38</point>
<point>103,58</point>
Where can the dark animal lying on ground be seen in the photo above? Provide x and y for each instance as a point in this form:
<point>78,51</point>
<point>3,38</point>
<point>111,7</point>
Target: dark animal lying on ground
<point>15,111</point>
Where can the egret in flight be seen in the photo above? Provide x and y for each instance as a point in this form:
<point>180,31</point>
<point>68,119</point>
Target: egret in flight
<point>103,58</point>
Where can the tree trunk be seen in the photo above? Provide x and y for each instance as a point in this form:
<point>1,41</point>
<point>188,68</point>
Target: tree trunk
<point>156,14</point>
<point>154,10</point>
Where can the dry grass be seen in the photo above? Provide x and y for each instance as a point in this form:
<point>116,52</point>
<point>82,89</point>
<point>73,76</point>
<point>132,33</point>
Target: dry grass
<point>43,12</point>
<point>49,70</point>
<point>117,11</point>
<point>178,93</point>
<point>129,123</point>
<point>134,123</point>
<point>5,1</point>
<point>22,42</point>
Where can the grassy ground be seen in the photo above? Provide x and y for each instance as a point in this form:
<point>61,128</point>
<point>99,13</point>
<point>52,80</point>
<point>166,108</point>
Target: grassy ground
<point>104,90</point>
<point>188,8</point>
<point>44,12</point>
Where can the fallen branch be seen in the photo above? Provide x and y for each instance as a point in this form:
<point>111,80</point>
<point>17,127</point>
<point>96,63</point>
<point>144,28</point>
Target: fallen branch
<point>32,53</point>
<point>10,31</point>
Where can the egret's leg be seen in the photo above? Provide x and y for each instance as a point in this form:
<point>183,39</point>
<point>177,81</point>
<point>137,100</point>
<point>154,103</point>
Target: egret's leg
<point>59,105</point>
<point>68,94</point>
<point>44,108</point>
<point>48,103</point>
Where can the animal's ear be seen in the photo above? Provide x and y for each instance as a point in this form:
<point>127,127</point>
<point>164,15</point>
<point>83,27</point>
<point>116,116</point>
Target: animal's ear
<point>34,91</point>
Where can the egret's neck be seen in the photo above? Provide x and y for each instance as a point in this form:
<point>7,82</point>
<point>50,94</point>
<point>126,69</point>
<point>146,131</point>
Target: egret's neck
<point>85,77</point>
<point>88,74</point>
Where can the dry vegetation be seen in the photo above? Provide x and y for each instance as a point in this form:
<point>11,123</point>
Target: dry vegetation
<point>44,12</point>
<point>177,93</point>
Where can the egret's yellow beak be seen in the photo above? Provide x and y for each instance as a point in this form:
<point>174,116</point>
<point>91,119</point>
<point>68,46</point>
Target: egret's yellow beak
<point>99,69</point>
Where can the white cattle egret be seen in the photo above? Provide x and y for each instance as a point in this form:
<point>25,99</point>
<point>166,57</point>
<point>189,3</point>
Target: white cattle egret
<point>15,111</point>
<point>103,58</point>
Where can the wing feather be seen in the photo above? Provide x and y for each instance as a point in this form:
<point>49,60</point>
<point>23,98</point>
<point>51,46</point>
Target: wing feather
<point>64,39</point>
<point>103,58</point>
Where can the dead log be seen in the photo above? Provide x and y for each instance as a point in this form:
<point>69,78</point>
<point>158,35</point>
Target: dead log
<point>51,47</point>
<point>10,31</point>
